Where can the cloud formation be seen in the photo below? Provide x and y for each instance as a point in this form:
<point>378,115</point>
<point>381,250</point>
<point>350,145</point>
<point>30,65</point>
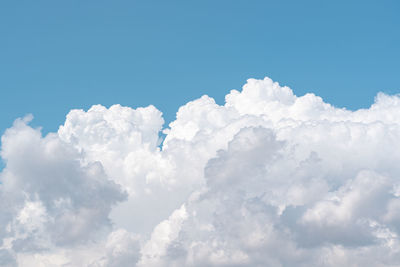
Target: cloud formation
<point>267,179</point>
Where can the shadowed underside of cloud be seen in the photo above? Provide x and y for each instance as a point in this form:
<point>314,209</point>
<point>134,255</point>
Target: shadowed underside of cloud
<point>268,179</point>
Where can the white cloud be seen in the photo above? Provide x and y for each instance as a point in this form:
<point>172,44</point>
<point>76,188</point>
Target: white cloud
<point>49,198</point>
<point>268,179</point>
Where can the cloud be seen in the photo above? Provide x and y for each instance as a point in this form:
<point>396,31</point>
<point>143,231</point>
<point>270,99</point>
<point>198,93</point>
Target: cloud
<point>49,197</point>
<point>267,179</point>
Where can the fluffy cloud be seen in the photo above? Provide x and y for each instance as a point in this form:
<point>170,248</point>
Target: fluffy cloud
<point>267,179</point>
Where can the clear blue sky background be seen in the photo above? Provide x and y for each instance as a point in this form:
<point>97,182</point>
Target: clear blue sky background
<point>56,55</point>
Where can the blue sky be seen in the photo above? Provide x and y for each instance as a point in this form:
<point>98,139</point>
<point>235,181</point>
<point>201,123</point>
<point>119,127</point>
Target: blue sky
<point>267,180</point>
<point>60,55</point>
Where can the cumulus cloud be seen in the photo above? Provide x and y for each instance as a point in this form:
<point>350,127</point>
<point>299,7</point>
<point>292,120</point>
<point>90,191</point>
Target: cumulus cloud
<point>267,179</point>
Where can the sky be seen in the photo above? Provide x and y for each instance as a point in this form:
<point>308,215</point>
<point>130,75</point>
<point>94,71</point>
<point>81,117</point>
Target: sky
<point>199,133</point>
<point>60,55</point>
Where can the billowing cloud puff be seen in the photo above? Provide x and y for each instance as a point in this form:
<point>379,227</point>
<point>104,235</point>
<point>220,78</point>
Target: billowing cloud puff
<point>267,179</point>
